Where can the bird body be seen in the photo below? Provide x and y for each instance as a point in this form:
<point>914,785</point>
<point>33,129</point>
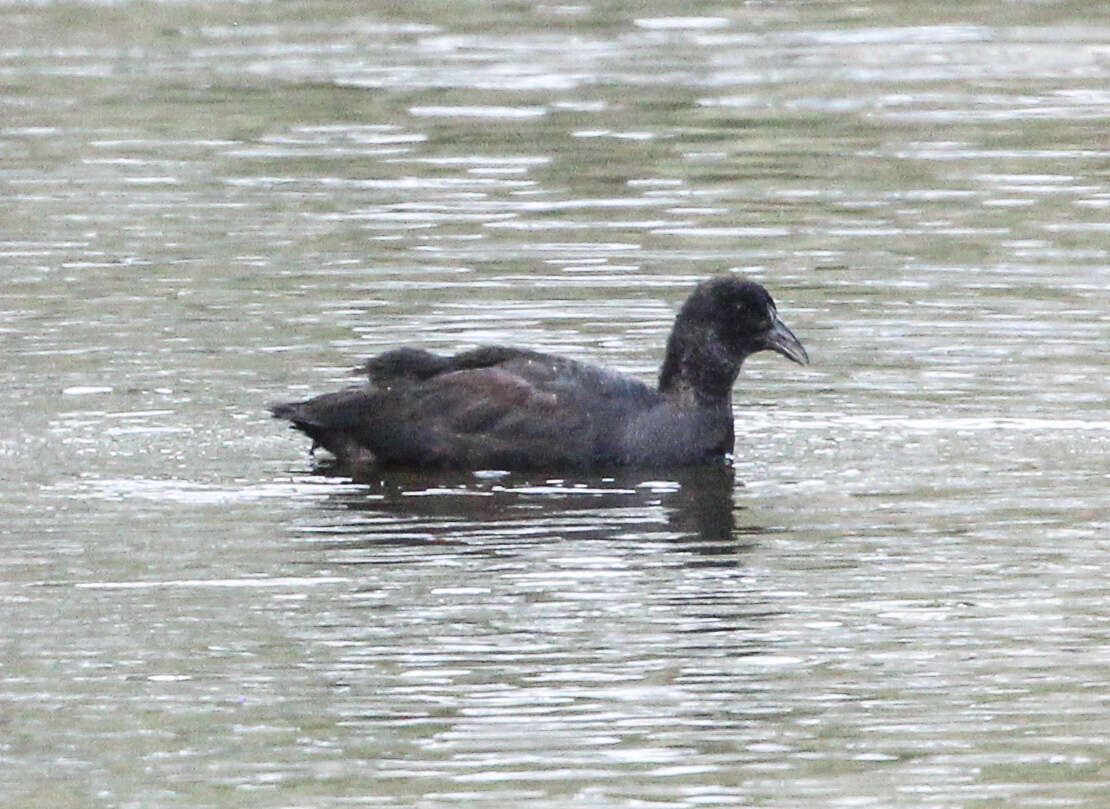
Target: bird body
<point>509,408</point>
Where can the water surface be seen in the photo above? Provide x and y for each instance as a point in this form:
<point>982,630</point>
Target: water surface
<point>896,597</point>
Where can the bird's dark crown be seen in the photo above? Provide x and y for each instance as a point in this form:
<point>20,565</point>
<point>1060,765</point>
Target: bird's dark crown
<point>732,300</point>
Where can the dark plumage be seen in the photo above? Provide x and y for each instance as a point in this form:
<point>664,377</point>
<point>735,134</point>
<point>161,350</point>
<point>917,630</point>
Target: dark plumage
<point>511,408</point>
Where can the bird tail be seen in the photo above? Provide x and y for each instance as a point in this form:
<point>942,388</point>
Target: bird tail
<point>331,420</point>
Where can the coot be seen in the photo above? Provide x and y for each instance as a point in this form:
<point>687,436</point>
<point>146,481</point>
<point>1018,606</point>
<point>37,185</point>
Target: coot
<point>510,408</point>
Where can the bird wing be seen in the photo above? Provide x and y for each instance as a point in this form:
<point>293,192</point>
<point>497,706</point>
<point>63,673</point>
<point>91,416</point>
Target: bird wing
<point>497,408</point>
<point>492,407</point>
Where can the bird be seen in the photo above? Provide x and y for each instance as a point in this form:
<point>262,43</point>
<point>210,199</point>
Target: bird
<point>508,408</point>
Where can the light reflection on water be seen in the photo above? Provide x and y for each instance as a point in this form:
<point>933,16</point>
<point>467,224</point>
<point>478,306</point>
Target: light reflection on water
<point>895,598</point>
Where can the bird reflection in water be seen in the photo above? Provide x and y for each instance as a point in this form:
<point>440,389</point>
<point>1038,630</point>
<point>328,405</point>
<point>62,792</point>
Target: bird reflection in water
<point>692,507</point>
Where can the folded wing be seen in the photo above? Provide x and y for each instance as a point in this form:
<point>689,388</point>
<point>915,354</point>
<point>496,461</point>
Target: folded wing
<point>487,408</point>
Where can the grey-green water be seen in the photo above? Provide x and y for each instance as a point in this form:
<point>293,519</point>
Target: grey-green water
<point>897,598</point>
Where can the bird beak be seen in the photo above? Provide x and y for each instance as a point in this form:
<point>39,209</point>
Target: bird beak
<point>781,339</point>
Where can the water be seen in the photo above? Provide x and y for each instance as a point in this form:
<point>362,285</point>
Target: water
<point>897,596</point>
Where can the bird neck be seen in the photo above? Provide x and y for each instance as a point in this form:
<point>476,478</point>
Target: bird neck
<point>697,364</point>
